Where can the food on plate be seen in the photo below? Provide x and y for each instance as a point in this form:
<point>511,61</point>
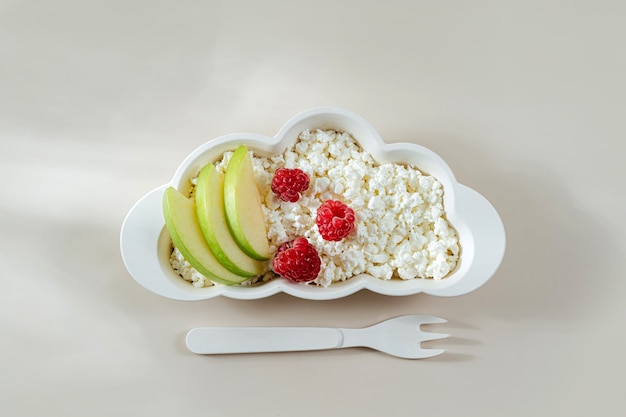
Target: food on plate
<point>183,227</point>
<point>209,196</point>
<point>297,261</point>
<point>359,216</point>
<point>334,220</point>
<point>288,183</point>
<point>242,203</point>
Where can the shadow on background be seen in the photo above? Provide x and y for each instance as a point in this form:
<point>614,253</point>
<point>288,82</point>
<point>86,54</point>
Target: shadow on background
<point>560,260</point>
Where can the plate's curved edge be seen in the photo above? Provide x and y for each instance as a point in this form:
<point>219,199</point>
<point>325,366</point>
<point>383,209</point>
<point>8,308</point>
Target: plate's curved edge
<point>139,235</point>
<point>363,282</point>
<point>489,237</point>
<point>221,144</point>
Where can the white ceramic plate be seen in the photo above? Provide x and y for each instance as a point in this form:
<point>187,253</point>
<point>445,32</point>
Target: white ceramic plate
<point>145,244</point>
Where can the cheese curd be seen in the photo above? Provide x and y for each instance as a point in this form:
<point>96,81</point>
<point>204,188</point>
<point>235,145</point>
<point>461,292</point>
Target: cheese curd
<point>400,228</point>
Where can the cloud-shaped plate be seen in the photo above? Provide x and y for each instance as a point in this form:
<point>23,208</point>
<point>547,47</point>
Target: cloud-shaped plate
<point>145,243</point>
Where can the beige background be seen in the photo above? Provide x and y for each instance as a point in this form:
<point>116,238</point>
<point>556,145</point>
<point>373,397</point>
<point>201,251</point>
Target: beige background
<point>101,100</point>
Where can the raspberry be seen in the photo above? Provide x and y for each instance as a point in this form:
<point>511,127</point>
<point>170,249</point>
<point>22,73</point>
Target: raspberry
<point>288,183</point>
<point>335,220</point>
<point>297,261</point>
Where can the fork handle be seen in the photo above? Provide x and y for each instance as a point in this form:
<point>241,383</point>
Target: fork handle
<point>221,340</point>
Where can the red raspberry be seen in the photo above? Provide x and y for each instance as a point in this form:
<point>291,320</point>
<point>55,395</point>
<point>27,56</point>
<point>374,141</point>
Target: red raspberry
<point>288,183</point>
<point>297,261</point>
<point>335,220</point>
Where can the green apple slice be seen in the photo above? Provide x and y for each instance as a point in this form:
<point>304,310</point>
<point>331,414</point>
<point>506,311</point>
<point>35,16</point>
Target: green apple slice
<point>212,219</point>
<point>182,224</point>
<point>242,203</point>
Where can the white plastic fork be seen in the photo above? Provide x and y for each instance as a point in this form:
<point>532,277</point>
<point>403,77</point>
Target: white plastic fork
<point>400,336</point>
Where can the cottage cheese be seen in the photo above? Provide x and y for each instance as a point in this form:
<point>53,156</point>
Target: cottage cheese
<point>400,228</point>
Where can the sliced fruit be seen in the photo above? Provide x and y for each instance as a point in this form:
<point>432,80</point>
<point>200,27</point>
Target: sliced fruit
<point>182,224</point>
<point>242,203</point>
<point>212,220</point>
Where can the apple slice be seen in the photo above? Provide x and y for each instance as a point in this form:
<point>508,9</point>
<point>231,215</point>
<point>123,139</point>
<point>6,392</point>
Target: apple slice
<point>212,219</point>
<point>182,224</point>
<point>242,203</point>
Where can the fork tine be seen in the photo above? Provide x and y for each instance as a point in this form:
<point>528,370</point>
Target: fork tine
<point>426,336</point>
<point>430,320</point>
<point>428,353</point>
